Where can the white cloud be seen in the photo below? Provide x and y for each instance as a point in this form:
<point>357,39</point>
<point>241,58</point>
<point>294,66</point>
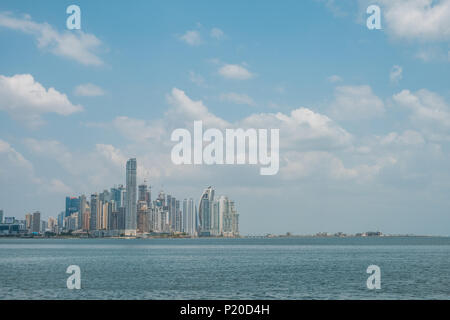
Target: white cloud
<point>13,157</point>
<point>237,98</point>
<point>192,38</point>
<point>16,170</point>
<point>428,108</point>
<point>57,186</point>
<point>334,78</point>
<point>186,110</point>
<point>25,99</point>
<point>355,103</point>
<point>234,71</point>
<point>89,90</point>
<point>424,20</point>
<point>78,46</point>
<point>303,128</point>
<point>396,74</point>
<point>325,165</point>
<point>216,33</point>
<point>407,138</point>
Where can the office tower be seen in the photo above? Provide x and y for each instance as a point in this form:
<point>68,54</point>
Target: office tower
<point>148,196</point>
<point>81,213</point>
<point>131,198</point>
<point>118,194</point>
<point>121,219</point>
<point>104,215</point>
<point>188,217</point>
<point>72,205</point>
<point>178,220</point>
<point>95,203</point>
<point>28,221</point>
<point>215,218</point>
<point>184,216</point>
<point>1,216</point>
<point>172,203</point>
<point>36,222</point>
<point>61,219</point>
<point>205,212</point>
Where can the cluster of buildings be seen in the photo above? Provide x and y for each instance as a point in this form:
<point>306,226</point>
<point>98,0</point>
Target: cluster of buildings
<point>130,211</point>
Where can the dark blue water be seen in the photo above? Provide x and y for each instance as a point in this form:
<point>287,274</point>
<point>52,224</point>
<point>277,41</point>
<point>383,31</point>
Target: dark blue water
<point>280,268</point>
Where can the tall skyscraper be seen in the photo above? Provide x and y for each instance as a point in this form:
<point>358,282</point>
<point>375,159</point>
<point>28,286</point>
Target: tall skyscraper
<point>81,213</point>
<point>36,222</point>
<point>95,204</point>
<point>189,219</point>
<point>131,198</point>
<point>205,212</point>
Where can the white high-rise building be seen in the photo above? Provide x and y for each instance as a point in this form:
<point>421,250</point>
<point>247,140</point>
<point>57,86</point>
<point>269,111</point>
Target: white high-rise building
<point>131,198</point>
<point>189,219</point>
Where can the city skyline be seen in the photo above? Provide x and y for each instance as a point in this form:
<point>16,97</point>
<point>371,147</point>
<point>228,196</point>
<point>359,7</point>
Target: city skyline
<point>363,114</point>
<point>130,211</point>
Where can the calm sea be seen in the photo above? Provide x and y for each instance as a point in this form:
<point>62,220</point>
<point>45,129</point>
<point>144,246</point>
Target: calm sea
<point>280,268</point>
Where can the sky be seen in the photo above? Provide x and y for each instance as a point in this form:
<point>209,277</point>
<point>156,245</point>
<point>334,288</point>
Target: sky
<point>364,115</point>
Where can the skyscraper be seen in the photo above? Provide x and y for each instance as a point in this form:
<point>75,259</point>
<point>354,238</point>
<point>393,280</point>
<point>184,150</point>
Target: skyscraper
<point>118,195</point>
<point>205,212</point>
<point>36,222</point>
<point>95,204</point>
<point>81,213</point>
<point>29,221</point>
<point>72,205</point>
<point>131,198</point>
<point>189,219</point>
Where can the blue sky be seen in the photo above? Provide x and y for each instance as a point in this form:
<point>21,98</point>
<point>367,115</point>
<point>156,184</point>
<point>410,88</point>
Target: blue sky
<point>365,113</point>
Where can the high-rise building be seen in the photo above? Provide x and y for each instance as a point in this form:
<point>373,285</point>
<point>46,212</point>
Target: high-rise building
<point>36,226</point>
<point>131,198</point>
<point>81,213</point>
<point>51,224</point>
<point>188,217</point>
<point>61,220</point>
<point>205,209</point>
<point>95,208</point>
<point>87,219</point>
<point>143,217</point>
<point>28,221</point>
<point>118,195</point>
<point>72,205</point>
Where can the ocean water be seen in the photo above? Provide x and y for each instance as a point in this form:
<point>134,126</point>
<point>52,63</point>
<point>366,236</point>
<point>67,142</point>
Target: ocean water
<point>278,268</point>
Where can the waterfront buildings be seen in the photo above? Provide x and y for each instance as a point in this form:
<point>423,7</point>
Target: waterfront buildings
<point>130,211</point>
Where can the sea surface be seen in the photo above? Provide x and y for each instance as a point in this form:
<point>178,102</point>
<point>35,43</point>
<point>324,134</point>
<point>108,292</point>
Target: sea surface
<point>276,268</point>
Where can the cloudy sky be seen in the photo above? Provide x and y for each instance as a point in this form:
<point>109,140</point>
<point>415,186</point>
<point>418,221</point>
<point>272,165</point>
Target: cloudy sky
<point>364,115</point>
